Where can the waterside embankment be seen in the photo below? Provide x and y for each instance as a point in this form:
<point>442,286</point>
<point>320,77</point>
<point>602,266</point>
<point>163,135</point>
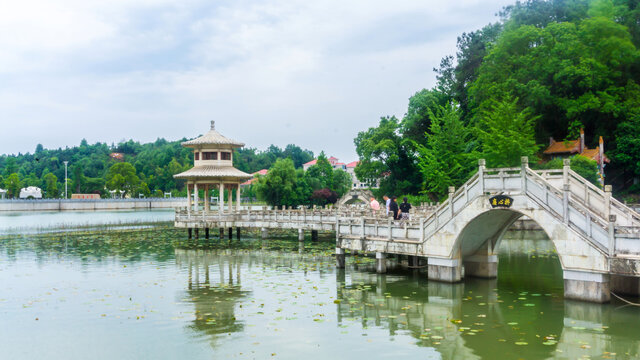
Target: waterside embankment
<point>86,204</point>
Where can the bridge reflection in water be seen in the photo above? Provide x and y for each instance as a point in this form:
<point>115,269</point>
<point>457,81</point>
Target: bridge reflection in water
<point>513,316</point>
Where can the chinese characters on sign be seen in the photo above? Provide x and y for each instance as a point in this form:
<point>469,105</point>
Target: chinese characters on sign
<point>501,201</point>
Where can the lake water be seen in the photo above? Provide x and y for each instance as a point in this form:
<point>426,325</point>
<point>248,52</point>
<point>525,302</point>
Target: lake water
<point>39,221</point>
<point>151,293</point>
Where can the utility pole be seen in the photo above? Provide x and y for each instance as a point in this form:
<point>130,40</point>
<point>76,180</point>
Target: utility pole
<point>65,179</point>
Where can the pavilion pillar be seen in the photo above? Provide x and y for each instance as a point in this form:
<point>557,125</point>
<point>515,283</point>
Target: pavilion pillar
<point>195,195</point>
<point>189,202</point>
<point>238,198</point>
<point>230,200</point>
<point>221,200</point>
<point>206,199</point>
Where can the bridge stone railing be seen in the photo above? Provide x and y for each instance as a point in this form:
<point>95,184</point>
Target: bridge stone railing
<point>578,203</point>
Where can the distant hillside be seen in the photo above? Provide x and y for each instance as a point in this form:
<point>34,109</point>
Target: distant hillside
<point>154,163</point>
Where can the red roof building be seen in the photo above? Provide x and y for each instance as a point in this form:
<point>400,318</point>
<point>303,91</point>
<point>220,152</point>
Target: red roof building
<point>117,156</point>
<point>565,149</point>
<point>306,165</point>
<point>255,178</point>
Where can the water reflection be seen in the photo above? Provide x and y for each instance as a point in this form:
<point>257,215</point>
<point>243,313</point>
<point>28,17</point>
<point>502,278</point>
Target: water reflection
<point>214,287</point>
<point>518,316</point>
<point>289,298</point>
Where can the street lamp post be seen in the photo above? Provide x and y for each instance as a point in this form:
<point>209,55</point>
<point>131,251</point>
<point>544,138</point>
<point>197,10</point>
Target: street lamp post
<point>65,179</point>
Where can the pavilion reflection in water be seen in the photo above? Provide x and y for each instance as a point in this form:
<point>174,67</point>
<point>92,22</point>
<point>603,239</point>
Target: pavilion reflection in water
<point>214,287</point>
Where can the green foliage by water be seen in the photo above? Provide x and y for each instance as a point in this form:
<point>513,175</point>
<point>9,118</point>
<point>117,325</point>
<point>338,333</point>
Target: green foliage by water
<point>547,68</point>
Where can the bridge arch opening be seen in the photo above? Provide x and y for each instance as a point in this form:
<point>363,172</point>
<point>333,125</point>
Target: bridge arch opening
<point>355,197</point>
<point>517,245</point>
<point>356,200</point>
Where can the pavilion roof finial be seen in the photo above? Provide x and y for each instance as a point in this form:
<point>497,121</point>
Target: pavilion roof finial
<point>213,124</point>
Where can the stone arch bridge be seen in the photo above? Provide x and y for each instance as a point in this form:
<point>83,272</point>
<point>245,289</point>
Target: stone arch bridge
<point>355,196</point>
<point>597,238</point>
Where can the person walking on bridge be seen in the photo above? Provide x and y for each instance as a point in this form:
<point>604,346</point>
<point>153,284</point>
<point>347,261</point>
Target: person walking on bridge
<point>393,208</point>
<point>375,206</point>
<point>404,210</point>
<point>387,202</point>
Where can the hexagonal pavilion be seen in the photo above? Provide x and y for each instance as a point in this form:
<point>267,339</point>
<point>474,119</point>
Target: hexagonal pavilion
<point>213,166</point>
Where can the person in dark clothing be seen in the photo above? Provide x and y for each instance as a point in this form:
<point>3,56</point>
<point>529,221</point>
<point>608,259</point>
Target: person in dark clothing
<point>393,208</point>
<point>404,210</point>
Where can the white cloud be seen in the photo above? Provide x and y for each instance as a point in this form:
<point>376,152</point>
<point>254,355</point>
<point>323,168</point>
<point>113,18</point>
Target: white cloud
<point>313,73</point>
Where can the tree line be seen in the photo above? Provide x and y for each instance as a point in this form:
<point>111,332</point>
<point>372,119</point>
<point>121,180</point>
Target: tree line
<point>128,166</point>
<point>545,69</point>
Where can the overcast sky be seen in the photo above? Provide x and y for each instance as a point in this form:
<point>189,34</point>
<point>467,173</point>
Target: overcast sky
<point>312,73</point>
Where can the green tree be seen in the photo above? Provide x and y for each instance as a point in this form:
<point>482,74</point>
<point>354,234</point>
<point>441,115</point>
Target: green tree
<point>31,180</point>
<point>586,168</point>
<point>320,175</point>
<point>116,182</point>
<point>454,79</point>
<point>78,178</point>
<point>341,182</point>
<point>628,150</point>
<point>384,154</point>
<point>10,166</point>
<point>122,176</point>
<point>448,157</point>
<point>94,185</point>
<point>582,165</point>
<point>51,186</point>
<point>571,74</point>
<point>506,134</point>
<point>143,189</point>
<point>278,187</point>
<point>13,185</point>
<point>416,122</point>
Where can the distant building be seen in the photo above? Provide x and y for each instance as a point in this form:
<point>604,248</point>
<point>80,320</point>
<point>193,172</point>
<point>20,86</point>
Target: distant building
<point>565,149</point>
<point>254,180</point>
<point>31,192</point>
<point>349,168</point>
<point>3,193</point>
<point>117,156</point>
<point>85,196</point>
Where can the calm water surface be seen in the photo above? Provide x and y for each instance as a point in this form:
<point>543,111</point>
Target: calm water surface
<point>150,293</point>
<point>38,221</point>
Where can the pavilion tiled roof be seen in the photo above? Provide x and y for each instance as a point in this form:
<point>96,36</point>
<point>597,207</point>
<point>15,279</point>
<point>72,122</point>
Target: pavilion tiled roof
<point>211,171</point>
<point>212,137</point>
<point>353,164</point>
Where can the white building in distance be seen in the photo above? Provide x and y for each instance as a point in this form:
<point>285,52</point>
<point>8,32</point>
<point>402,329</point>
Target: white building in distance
<point>349,168</point>
<point>31,192</point>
